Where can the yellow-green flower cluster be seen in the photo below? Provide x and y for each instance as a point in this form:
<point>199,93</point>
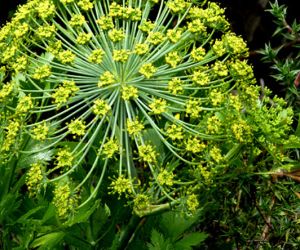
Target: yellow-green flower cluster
<point>216,97</point>
<point>155,37</point>
<point>165,177</point>
<point>129,92</point>
<point>192,203</point>
<point>174,35</point>
<point>121,55</point>
<point>118,11</point>
<point>21,30</point>
<point>141,202</point>
<point>158,106</point>
<point>216,154</point>
<point>34,179</point>
<point>40,131</point>
<point>147,70</point>
<point>110,148</point>
<point>12,131</point>
<point>141,48</point>
<point>77,20</point>
<point>105,22</point>
<point>46,31</point>
<point>101,107</point>
<point>66,56</point>
<point>64,158</point>
<point>24,105</point>
<point>134,127</point>
<point>6,91</point>
<point>200,78</point>
<point>242,131</point>
<point>146,26</point>
<point>77,127</point>
<point>121,185</point>
<point>45,9</point>
<point>197,27</point>
<point>42,72</point>
<point>220,69</point>
<point>83,38</point>
<point>206,174</point>
<point>96,56</point>
<point>213,124</point>
<point>177,6</point>
<point>175,85</point>
<point>116,35</point>
<point>64,201</point>
<point>175,132</point>
<point>173,59</point>
<point>193,107</point>
<point>194,145</point>
<point>147,153</point>
<point>198,54</point>
<point>64,92</point>
<point>106,79</point>
<point>85,5</point>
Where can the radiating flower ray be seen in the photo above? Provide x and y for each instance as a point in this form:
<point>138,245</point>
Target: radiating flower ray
<point>126,84</point>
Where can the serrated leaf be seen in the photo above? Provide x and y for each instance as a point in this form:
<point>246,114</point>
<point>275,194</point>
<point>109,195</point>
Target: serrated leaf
<point>48,241</point>
<point>158,242</point>
<point>190,240</point>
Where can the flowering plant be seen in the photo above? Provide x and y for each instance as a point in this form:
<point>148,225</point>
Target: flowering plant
<point>156,97</point>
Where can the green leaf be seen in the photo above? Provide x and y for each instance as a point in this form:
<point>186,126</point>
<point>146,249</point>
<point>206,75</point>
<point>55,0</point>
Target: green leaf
<point>190,240</point>
<point>48,241</point>
<point>24,218</point>
<point>158,242</point>
<point>83,214</point>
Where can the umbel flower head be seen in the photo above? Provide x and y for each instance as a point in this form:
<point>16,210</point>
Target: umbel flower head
<point>154,90</point>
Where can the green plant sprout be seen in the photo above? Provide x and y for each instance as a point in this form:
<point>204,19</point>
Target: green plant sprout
<point>155,96</point>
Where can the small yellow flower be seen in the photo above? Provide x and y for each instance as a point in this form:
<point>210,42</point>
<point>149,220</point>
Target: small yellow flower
<point>173,59</point>
<point>64,158</point>
<point>200,78</point>
<point>42,72</point>
<point>121,185</point>
<point>101,107</point>
<point>121,55</point>
<point>77,127</point>
<point>77,20</point>
<point>40,131</point>
<point>198,54</point>
<point>141,48</point>
<point>83,38</point>
<point>175,132</point>
<point>34,179</point>
<point>194,145</point>
<point>116,35</point>
<point>129,92</point>
<point>64,200</point>
<point>174,35</point>
<point>147,70</point>
<point>106,79</point>
<point>85,5</point>
<point>134,127</point>
<point>147,153</point>
<point>24,105</point>
<point>146,26</point>
<point>192,203</point>
<point>193,107</point>
<point>175,85</point>
<point>96,56</point>
<point>158,106</point>
<point>105,22</point>
<point>156,37</point>
<point>165,178</point>
<point>110,148</point>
